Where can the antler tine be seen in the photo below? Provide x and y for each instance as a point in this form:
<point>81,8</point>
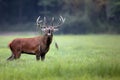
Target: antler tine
<point>61,21</point>
<point>52,20</point>
<point>38,21</point>
<point>44,22</point>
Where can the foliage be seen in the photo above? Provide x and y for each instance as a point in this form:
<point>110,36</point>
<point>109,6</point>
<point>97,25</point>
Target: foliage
<point>86,16</point>
<point>80,57</point>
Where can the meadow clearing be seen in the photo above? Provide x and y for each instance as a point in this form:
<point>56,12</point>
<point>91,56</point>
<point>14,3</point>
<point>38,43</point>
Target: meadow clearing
<point>80,57</point>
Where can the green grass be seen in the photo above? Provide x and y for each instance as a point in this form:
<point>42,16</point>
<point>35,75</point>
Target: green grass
<point>80,57</point>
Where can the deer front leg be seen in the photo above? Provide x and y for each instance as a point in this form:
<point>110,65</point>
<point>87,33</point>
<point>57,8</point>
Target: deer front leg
<point>42,57</point>
<point>37,56</point>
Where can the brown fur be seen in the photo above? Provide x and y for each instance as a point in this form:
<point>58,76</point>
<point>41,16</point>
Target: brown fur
<point>38,46</point>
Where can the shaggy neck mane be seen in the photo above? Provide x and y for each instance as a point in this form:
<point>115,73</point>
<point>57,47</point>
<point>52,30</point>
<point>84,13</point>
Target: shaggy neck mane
<point>47,39</point>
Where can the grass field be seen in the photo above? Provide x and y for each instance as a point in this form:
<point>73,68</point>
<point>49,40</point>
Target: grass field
<point>80,57</point>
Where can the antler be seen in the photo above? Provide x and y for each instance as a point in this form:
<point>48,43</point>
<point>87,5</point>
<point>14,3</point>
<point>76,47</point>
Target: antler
<point>41,23</point>
<point>60,22</point>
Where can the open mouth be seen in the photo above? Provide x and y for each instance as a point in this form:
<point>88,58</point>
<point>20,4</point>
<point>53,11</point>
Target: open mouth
<point>49,34</point>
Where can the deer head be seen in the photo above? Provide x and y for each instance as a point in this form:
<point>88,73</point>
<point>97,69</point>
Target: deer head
<point>49,29</point>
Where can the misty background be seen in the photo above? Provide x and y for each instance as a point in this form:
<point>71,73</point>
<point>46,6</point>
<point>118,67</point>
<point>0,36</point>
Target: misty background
<point>82,16</point>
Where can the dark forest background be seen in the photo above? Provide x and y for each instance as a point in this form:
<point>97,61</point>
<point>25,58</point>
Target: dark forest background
<point>82,16</point>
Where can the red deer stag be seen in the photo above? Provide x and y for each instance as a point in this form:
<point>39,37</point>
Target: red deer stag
<point>39,45</point>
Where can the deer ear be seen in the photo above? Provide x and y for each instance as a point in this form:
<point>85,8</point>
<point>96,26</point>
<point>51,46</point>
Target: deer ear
<point>43,29</point>
<point>56,29</point>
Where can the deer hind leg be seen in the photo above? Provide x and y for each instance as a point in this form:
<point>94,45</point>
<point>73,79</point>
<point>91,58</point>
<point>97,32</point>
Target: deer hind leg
<point>11,57</point>
<point>42,57</point>
<point>15,53</point>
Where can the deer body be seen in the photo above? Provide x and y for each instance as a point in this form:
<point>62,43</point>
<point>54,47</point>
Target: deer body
<point>38,46</point>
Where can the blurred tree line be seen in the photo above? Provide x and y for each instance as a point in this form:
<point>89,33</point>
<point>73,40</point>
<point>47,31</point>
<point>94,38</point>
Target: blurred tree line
<point>82,16</point>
